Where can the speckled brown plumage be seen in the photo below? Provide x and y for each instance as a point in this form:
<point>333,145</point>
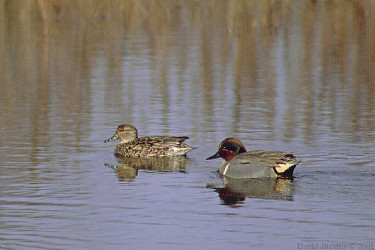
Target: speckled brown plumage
<point>150,146</point>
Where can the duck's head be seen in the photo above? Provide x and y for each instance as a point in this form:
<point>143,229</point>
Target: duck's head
<point>125,132</point>
<point>228,149</point>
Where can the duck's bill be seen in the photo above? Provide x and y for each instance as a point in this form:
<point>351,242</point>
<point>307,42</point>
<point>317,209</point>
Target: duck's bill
<point>114,137</point>
<point>215,156</point>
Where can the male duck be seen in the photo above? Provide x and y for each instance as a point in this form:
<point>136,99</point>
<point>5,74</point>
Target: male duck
<point>238,163</point>
<point>151,146</point>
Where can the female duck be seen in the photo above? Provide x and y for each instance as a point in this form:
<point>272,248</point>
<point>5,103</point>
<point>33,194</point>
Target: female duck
<point>238,163</point>
<point>151,146</point>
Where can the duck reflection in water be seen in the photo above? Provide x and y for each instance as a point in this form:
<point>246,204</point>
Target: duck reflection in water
<point>235,191</point>
<point>124,172</point>
<point>128,167</point>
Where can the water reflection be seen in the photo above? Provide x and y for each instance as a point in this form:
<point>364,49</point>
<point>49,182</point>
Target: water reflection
<point>124,172</point>
<point>235,191</point>
<point>128,167</point>
<point>293,75</point>
<point>296,71</point>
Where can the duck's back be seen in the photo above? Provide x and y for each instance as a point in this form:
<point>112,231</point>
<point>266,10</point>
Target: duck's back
<point>154,146</point>
<point>260,164</point>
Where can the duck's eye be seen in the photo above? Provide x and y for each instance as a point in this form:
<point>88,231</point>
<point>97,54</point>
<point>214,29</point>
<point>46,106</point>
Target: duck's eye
<point>230,147</point>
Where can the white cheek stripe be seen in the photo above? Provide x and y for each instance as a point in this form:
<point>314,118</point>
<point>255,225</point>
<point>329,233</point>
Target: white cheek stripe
<point>226,169</point>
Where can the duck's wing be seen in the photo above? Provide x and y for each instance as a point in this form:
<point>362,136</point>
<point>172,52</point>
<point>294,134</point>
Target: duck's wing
<point>151,146</point>
<point>271,158</point>
<point>162,139</point>
<point>260,160</point>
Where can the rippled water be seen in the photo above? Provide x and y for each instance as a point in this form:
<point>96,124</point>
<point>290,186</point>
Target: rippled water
<point>68,82</point>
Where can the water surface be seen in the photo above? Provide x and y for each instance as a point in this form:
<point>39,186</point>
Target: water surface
<point>293,76</point>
